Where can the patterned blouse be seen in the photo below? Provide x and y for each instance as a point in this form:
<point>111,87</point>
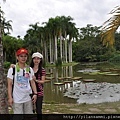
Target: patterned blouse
<point>38,85</point>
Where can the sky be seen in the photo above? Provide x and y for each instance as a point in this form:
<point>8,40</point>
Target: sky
<point>26,12</point>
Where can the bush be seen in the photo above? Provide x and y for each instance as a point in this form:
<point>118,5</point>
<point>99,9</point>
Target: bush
<point>115,59</point>
<point>6,65</point>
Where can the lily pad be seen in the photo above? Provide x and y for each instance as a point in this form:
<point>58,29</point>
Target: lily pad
<point>61,78</point>
<point>67,81</point>
<point>112,74</point>
<point>76,78</point>
<point>59,83</point>
<point>88,70</point>
<point>113,69</point>
<point>102,73</point>
<point>68,77</point>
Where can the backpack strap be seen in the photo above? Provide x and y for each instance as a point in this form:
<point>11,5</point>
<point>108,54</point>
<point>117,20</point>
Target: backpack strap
<point>13,78</point>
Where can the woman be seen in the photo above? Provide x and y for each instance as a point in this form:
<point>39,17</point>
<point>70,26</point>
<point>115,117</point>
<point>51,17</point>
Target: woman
<point>39,78</point>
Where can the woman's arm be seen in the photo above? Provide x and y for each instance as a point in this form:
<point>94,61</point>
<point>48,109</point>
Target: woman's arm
<point>41,81</point>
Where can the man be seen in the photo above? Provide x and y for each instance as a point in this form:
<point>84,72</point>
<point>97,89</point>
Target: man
<point>19,95</point>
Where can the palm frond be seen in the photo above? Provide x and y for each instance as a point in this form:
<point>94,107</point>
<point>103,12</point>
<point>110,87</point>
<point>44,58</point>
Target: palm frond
<point>110,26</point>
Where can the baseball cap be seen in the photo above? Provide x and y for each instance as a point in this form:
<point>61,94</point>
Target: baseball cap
<point>21,50</point>
<point>37,54</point>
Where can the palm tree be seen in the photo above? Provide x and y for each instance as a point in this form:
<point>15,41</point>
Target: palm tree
<point>50,29</point>
<point>110,26</point>
<point>31,38</point>
<point>53,30</point>
<point>73,34</point>
<point>7,26</point>
<point>68,30</point>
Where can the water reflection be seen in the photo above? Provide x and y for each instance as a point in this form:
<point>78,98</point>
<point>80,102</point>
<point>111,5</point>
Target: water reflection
<point>55,93</point>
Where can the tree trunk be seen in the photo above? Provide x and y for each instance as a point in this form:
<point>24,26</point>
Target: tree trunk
<point>70,50</point>
<point>3,90</point>
<point>61,46</point>
<point>50,49</point>
<point>66,48</point>
<point>55,48</point>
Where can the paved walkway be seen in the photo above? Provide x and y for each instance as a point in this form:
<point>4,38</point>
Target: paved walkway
<point>51,111</point>
<point>102,108</point>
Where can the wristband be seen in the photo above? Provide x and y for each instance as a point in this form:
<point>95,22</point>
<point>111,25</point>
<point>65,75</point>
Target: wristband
<point>35,93</point>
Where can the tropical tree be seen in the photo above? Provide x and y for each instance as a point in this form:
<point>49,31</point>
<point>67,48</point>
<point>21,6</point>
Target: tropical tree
<point>73,34</point>
<point>88,46</point>
<point>31,39</point>
<point>110,26</point>
<point>49,27</point>
<point>7,26</point>
<point>52,27</point>
<point>10,45</point>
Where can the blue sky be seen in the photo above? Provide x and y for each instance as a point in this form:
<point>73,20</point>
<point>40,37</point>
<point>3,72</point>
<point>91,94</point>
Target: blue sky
<point>26,12</point>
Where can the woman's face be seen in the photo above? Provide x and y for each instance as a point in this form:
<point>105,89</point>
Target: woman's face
<point>36,60</point>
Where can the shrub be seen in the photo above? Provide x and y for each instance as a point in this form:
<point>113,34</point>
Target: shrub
<point>115,59</point>
<point>6,64</point>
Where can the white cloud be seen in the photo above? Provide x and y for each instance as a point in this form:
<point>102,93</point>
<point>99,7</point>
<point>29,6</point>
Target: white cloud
<point>25,12</point>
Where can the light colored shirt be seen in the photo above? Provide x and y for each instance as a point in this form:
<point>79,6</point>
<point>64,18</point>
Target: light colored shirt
<point>22,88</point>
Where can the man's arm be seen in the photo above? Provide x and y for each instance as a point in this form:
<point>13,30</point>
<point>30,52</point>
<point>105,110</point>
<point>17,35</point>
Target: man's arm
<point>33,85</point>
<point>10,99</point>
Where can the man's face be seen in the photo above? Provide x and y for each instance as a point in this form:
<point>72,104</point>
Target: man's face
<point>22,58</point>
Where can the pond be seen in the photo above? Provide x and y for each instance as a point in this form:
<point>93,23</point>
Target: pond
<point>70,84</point>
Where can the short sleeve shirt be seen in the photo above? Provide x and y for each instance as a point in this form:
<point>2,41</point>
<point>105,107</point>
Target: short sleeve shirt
<point>22,88</point>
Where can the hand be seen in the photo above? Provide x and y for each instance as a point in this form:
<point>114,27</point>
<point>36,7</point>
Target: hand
<point>36,81</point>
<point>12,65</point>
<point>10,101</point>
<point>34,98</point>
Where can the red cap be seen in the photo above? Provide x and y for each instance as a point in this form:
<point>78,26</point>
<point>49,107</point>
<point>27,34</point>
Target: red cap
<point>21,50</point>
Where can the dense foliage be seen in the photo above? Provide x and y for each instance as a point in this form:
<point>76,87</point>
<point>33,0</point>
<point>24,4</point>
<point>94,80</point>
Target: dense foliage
<point>87,46</point>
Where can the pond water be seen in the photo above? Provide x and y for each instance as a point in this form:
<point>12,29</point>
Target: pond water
<point>83,78</point>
